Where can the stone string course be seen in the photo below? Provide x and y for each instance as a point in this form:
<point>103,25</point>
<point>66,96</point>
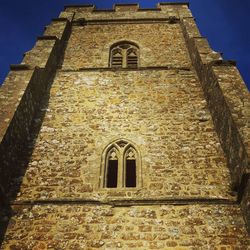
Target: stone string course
<point>185,109</point>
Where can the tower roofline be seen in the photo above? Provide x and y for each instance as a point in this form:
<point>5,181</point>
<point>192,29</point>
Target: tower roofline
<point>174,3</point>
<point>124,5</point>
<point>79,6</point>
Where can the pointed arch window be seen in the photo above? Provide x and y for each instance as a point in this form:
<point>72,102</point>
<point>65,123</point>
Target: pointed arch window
<point>116,58</point>
<point>121,166</point>
<point>132,58</point>
<point>130,167</point>
<point>124,55</point>
<point>112,165</point>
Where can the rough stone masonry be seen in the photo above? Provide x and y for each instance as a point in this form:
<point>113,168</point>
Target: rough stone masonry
<point>184,109</point>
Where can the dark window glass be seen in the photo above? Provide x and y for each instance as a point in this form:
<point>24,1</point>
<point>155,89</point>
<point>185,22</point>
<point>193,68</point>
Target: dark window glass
<point>112,174</point>
<point>130,173</point>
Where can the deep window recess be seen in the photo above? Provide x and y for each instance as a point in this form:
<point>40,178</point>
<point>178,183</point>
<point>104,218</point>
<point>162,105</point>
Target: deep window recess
<point>124,55</point>
<point>112,168</point>
<point>121,167</point>
<point>130,169</point>
<point>112,173</point>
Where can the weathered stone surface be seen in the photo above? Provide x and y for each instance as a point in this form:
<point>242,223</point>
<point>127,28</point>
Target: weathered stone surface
<point>228,100</point>
<point>40,54</point>
<point>184,108</point>
<point>56,28</point>
<point>207,227</point>
<point>245,202</point>
<point>21,96</point>
<point>172,137</point>
<point>90,44</point>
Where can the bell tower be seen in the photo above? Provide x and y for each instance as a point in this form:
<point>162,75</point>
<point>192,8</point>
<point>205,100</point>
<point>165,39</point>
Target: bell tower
<point>123,129</point>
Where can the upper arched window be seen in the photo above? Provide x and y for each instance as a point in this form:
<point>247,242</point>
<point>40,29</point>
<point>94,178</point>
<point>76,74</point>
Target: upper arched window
<point>124,55</point>
<point>121,166</point>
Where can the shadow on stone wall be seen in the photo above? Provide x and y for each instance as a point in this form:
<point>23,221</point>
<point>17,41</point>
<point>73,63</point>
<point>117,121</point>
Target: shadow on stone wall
<point>22,162</point>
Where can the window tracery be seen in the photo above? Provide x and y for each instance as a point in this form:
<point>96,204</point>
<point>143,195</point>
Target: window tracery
<point>121,167</point>
<point>124,55</point>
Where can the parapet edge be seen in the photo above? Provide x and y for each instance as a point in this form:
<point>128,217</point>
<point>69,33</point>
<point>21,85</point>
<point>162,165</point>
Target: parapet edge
<point>79,6</point>
<point>174,3</point>
<point>134,6</point>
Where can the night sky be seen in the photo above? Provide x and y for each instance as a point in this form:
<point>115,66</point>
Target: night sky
<point>224,23</point>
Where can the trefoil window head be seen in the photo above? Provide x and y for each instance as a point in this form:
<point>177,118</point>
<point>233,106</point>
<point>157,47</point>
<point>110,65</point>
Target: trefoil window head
<point>121,165</point>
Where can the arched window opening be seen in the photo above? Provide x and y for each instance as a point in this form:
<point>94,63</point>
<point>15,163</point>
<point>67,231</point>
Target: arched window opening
<point>132,59</point>
<point>124,55</point>
<point>112,169</point>
<point>130,163</point>
<point>117,58</point>
<point>121,167</point>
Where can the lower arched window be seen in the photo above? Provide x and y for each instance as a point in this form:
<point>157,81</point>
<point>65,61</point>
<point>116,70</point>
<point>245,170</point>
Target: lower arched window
<point>121,166</point>
<point>112,168</point>
<point>130,167</point>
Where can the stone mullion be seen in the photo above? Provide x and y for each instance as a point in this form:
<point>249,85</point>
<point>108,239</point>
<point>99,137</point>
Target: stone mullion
<point>124,169</point>
<point>124,58</point>
<point>120,170</point>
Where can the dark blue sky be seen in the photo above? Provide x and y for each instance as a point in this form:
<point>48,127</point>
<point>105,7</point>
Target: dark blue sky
<point>224,22</point>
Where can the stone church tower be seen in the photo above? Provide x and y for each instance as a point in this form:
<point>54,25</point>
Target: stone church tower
<point>123,129</point>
